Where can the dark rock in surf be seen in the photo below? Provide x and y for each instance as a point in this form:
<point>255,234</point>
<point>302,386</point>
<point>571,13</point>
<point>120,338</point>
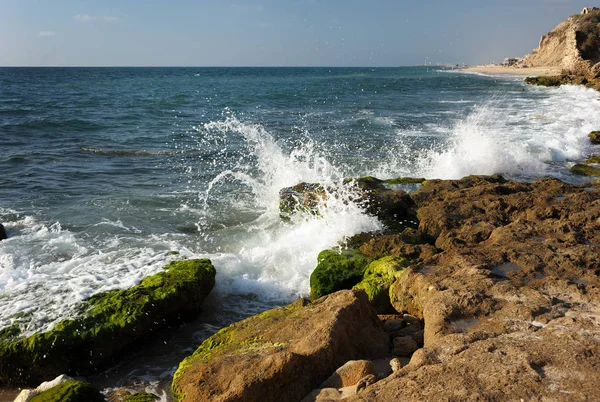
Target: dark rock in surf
<point>3,234</point>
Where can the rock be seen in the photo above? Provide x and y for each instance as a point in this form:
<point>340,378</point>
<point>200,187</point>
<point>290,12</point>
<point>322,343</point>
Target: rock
<point>378,277</point>
<point>512,312</point>
<point>593,159</point>
<point>394,325</point>
<point>392,206</point>
<point>594,137</point>
<point>404,346</point>
<point>303,197</point>
<point>122,395</point>
<point>336,270</point>
<point>365,382</point>
<point>349,374</point>
<point>323,395</point>
<point>114,321</point>
<point>284,353</point>
<point>585,170</point>
<point>61,389</point>
<point>3,234</point>
<point>395,364</point>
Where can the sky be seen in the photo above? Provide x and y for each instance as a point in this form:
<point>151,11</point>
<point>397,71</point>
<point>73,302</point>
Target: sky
<point>273,32</point>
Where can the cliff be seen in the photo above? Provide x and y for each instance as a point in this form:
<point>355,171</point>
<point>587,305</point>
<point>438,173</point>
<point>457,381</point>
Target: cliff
<point>573,45</point>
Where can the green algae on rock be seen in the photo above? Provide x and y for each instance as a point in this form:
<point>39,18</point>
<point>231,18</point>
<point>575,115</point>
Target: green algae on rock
<point>585,170</point>
<point>284,353</point>
<point>593,159</point>
<point>70,391</point>
<point>377,279</point>
<point>594,137</point>
<point>113,321</point>
<point>336,270</point>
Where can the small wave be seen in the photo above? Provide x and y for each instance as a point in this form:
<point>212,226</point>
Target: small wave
<point>136,153</point>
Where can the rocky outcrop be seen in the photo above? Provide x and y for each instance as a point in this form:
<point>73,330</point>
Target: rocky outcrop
<point>113,322</point>
<point>282,354</point>
<point>510,302</point>
<point>573,45</point>
<point>594,137</point>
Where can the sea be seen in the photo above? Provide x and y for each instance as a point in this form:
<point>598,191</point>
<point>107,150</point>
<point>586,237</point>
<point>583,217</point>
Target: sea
<point>108,174</point>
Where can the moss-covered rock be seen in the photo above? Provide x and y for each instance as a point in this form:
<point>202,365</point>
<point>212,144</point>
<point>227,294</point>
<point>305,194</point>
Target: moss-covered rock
<point>377,279</point>
<point>405,180</point>
<point>553,81</point>
<point>140,397</point>
<point>70,391</point>
<point>593,159</point>
<point>336,271</point>
<point>585,170</point>
<point>113,321</point>
<point>594,137</point>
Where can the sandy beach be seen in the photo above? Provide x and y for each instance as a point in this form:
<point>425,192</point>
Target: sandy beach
<point>532,71</point>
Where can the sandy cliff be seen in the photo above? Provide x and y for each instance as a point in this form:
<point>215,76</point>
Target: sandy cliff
<point>572,45</point>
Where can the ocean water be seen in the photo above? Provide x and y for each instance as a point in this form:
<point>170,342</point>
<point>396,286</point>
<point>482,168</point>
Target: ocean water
<point>107,174</point>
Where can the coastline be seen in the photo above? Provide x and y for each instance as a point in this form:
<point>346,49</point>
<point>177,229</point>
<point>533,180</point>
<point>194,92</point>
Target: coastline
<point>532,71</point>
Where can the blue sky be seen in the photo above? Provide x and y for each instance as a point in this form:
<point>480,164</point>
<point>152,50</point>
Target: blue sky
<point>273,32</point>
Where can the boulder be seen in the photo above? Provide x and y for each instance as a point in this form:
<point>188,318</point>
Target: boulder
<point>594,137</point>
<point>377,279</point>
<point>336,270</point>
<point>282,354</point>
<point>112,323</point>
<point>378,197</point>
<point>61,389</point>
<point>303,197</point>
<point>593,159</point>
<point>3,234</point>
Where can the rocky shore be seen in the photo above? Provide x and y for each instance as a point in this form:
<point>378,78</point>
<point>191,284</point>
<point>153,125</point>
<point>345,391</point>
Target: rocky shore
<point>481,289</point>
<point>495,297</point>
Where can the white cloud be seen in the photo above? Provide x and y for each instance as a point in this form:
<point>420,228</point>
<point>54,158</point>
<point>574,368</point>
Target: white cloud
<point>45,34</point>
<point>83,17</point>
<point>88,18</point>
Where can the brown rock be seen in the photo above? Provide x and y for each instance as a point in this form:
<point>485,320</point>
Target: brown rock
<point>349,374</point>
<point>404,346</point>
<point>509,314</point>
<point>282,354</point>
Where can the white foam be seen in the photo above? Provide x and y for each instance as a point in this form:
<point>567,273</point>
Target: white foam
<point>524,137</point>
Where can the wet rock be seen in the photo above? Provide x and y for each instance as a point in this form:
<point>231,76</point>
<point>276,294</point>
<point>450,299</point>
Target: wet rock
<point>377,279</point>
<point>303,197</point>
<point>3,234</point>
<point>593,159</point>
<point>594,137</point>
<point>282,354</point>
<point>114,321</point>
<point>122,395</point>
<point>349,374</point>
<point>585,170</point>
<point>64,389</point>
<point>336,270</point>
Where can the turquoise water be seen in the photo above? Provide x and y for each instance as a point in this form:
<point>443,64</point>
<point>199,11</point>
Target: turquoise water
<point>108,171</point>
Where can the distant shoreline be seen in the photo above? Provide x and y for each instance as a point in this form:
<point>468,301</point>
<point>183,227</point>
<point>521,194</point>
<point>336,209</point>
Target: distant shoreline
<point>532,71</point>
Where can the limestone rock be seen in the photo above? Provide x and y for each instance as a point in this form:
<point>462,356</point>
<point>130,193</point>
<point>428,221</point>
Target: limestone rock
<point>509,311</point>
<point>114,321</point>
<point>377,279</point>
<point>282,354</point>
